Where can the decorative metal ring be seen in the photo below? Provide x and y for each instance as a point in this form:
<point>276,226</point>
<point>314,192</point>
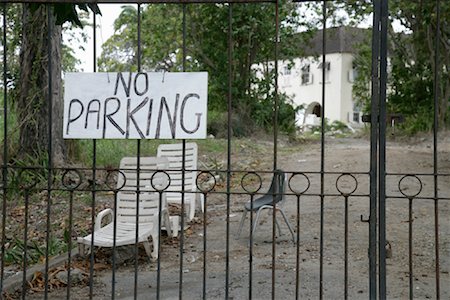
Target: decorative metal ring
<point>110,182</point>
<point>248,176</point>
<point>25,174</point>
<point>71,179</point>
<point>290,183</point>
<point>203,181</point>
<point>402,190</point>
<point>341,188</point>
<point>154,184</point>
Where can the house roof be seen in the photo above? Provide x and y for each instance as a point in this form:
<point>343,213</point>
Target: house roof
<point>342,39</point>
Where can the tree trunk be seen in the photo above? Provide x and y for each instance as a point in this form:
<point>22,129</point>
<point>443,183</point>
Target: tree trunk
<point>33,96</point>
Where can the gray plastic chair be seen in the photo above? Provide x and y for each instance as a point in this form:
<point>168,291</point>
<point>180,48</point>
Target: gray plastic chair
<point>277,190</point>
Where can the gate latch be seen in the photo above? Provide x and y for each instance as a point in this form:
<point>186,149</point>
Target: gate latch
<point>390,119</point>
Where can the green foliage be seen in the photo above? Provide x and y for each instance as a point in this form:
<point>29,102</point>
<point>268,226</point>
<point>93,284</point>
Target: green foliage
<point>13,33</point>
<point>14,253</point>
<point>336,127</point>
<point>218,125</point>
<point>412,60</point>
<point>362,65</point>
<point>109,152</point>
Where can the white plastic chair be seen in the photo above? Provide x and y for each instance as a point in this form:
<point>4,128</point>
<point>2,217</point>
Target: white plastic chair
<point>125,211</point>
<point>174,153</point>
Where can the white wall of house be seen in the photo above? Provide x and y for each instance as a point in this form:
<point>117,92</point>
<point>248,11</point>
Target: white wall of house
<point>306,89</point>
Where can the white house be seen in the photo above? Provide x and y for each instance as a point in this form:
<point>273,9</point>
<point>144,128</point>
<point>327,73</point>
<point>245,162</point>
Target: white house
<point>301,78</point>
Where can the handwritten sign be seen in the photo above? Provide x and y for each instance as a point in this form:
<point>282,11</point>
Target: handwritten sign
<point>135,105</point>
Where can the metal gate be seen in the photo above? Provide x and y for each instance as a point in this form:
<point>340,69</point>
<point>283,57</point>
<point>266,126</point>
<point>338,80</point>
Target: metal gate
<point>201,265</point>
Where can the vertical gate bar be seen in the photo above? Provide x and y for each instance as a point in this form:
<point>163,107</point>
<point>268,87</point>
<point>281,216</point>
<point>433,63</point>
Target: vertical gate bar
<point>25,245</point>
<point>322,148</point>
<point>346,248</point>
<point>91,256</point>
<point>275,142</point>
<point>297,258</point>
<point>50,149</point>
<point>382,151</point>
<point>69,255</point>
<point>250,249</point>
<point>138,164</point>
<point>205,220</point>
<point>229,102</point>
<point>5,147</point>
<point>113,284</point>
<point>183,166</point>
<point>410,248</point>
<point>435,145</point>
<point>158,261</point>
<point>276,104</point>
<point>374,115</point>
<point>138,194</point>
<point>183,194</point>
<point>94,171</point>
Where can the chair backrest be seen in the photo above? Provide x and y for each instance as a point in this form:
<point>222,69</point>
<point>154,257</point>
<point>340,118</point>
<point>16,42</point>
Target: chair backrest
<point>148,198</point>
<point>174,153</point>
<point>278,185</point>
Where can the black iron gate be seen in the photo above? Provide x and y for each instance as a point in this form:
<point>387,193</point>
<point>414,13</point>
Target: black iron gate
<point>221,273</point>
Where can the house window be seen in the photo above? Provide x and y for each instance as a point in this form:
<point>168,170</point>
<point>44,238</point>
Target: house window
<point>352,74</point>
<point>356,113</point>
<point>286,70</point>
<point>306,75</point>
<point>326,67</point>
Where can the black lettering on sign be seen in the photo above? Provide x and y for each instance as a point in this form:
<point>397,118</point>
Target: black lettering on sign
<point>125,86</point>
<point>73,119</point>
<point>131,118</point>
<point>199,115</point>
<point>91,110</point>
<point>109,116</point>
<point>146,84</point>
<point>149,116</point>
<point>172,120</point>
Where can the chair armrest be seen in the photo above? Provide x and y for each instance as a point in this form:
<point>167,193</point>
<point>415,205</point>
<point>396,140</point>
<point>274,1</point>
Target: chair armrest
<point>100,216</point>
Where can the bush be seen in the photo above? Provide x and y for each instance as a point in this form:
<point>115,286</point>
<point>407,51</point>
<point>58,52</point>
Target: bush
<point>218,125</point>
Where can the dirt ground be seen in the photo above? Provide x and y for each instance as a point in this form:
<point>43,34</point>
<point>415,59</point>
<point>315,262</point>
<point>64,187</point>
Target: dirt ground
<point>342,155</point>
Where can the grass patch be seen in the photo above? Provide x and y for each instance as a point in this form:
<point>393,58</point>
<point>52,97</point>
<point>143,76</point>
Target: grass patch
<point>110,152</point>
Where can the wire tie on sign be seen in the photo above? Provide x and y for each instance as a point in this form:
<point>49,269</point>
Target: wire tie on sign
<point>164,74</point>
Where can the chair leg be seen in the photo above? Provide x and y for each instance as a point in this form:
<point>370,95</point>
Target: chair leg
<point>153,255</point>
<point>81,249</point>
<point>288,224</point>
<point>241,224</point>
<point>191,210</point>
<point>175,225</point>
<point>278,225</point>
<point>167,222</point>
<point>258,214</point>
<point>201,201</point>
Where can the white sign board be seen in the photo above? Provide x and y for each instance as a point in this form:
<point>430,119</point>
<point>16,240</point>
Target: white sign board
<point>135,105</point>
